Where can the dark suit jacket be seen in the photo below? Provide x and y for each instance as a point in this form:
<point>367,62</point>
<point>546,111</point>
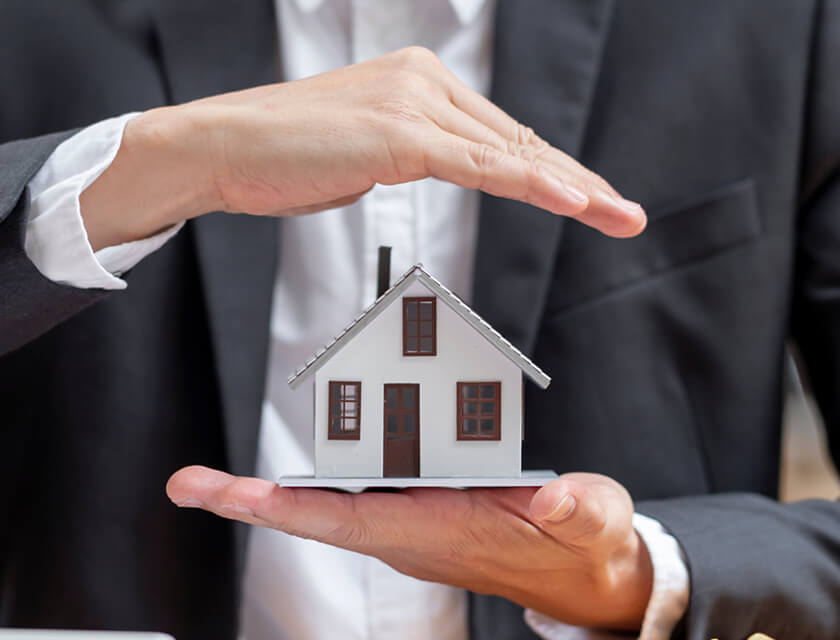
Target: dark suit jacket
<point>666,350</point>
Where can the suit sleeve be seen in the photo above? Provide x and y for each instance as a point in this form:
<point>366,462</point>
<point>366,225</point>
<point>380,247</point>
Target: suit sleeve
<point>30,304</point>
<point>757,565</point>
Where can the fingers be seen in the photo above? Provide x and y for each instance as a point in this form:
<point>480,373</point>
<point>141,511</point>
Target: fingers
<point>613,215</point>
<point>579,510</point>
<point>482,166</point>
<point>582,509</point>
<point>306,513</point>
<point>473,117</point>
<point>380,524</point>
<point>604,210</point>
<point>484,111</point>
<point>339,519</point>
<point>529,147</point>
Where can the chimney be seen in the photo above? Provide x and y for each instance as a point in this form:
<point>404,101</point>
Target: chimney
<point>383,279</point>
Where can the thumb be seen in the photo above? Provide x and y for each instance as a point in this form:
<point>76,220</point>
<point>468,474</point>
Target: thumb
<point>582,509</point>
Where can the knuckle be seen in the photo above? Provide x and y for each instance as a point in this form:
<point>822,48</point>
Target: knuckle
<point>535,170</point>
<point>524,152</point>
<point>534,174</point>
<point>418,57</point>
<point>602,184</point>
<point>411,85</point>
<point>413,77</point>
<point>594,522</point>
<point>401,111</point>
<point>513,148</point>
<point>589,180</point>
<point>230,496</point>
<point>403,84</point>
<point>486,157</point>
<point>526,137</point>
<point>531,145</point>
<point>408,97</point>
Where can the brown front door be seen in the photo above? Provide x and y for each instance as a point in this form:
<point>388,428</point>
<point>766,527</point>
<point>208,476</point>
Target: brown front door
<point>401,453</point>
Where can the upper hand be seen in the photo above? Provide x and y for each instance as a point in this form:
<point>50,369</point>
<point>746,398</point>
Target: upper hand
<point>567,550</point>
<point>323,141</point>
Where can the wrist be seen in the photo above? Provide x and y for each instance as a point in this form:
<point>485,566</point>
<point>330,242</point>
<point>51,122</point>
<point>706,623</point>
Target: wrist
<point>157,179</point>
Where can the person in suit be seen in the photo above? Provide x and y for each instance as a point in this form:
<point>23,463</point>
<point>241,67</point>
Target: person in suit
<point>666,349</point>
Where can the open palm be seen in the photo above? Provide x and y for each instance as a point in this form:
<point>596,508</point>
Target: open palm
<point>567,549</point>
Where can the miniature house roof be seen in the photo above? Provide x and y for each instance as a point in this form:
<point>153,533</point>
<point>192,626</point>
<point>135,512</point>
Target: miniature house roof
<point>417,272</point>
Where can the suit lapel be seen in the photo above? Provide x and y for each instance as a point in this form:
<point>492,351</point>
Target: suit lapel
<point>546,60</point>
<point>211,47</point>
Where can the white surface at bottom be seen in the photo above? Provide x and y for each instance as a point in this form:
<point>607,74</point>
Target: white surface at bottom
<point>527,479</point>
<point>39,634</point>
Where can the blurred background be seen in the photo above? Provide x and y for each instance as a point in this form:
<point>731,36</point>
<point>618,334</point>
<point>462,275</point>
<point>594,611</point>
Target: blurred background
<point>807,471</point>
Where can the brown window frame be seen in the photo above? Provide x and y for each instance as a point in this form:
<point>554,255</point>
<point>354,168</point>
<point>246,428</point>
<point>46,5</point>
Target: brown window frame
<point>405,335</point>
<point>496,415</point>
<point>344,435</point>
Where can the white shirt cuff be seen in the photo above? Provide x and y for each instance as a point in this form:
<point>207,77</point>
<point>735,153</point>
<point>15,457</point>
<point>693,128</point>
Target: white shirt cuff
<point>668,599</point>
<point>56,239</point>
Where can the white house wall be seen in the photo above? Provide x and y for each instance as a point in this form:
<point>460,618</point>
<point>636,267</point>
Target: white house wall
<point>374,357</point>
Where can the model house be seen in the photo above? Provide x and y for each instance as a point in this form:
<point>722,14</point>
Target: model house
<point>418,386</point>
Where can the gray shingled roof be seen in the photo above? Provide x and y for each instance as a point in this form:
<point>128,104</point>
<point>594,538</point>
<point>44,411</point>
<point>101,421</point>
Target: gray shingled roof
<point>417,272</point>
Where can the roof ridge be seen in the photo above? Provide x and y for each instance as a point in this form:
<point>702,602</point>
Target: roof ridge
<point>355,321</point>
<point>498,336</point>
<point>455,302</point>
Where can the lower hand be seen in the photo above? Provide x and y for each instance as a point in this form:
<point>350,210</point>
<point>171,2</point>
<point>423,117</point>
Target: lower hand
<point>321,142</point>
<point>567,550</point>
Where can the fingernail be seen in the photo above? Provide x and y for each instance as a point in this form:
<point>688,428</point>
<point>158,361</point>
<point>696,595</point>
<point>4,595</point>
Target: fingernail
<point>627,205</point>
<point>238,509</point>
<point>563,509</point>
<point>189,502</point>
<point>576,195</point>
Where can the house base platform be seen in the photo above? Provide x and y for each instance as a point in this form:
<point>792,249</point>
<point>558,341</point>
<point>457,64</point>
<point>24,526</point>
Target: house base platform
<point>527,479</point>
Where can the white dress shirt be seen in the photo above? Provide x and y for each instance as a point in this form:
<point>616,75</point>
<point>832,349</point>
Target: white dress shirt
<point>294,588</point>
